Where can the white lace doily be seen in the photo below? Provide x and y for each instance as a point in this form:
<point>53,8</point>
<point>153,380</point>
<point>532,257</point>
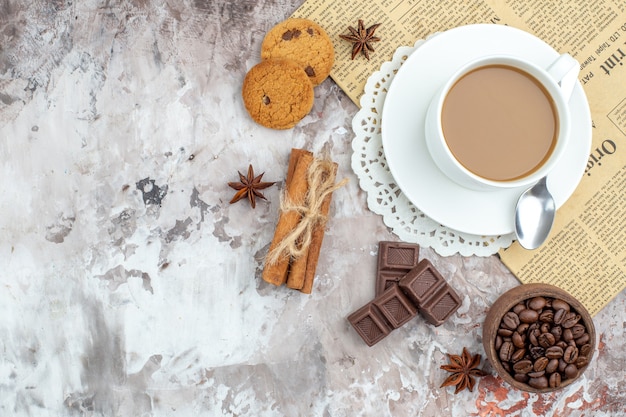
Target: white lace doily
<point>384,197</point>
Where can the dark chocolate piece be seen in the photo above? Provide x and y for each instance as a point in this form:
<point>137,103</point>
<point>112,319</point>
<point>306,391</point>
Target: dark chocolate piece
<point>369,324</point>
<point>395,259</point>
<point>395,306</point>
<point>440,305</point>
<point>397,255</point>
<point>386,279</point>
<point>422,282</point>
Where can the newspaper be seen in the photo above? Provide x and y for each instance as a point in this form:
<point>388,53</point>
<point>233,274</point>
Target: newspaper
<point>586,251</point>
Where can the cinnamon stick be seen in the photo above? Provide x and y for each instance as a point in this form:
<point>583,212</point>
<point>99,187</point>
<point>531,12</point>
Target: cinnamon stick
<point>294,156</point>
<point>296,188</point>
<point>316,244</point>
<point>299,266</point>
<point>297,270</point>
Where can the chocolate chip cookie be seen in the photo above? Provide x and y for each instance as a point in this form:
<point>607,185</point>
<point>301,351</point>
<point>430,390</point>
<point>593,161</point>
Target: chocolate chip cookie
<point>304,42</point>
<point>277,93</point>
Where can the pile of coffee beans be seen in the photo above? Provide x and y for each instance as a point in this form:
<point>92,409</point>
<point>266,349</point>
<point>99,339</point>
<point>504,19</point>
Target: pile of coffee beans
<point>543,342</point>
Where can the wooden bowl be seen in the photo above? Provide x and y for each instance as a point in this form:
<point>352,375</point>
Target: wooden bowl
<point>518,295</point>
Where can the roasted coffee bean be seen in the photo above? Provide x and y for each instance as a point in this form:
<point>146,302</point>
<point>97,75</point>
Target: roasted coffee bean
<point>571,354</point>
<point>560,304</point>
<point>567,335</point>
<point>518,340</point>
<point>562,365</point>
<point>536,374</point>
<point>510,321</point>
<point>540,364</point>
<point>552,366</point>
<point>504,332</point>
<point>547,316</point>
<point>521,377</point>
<point>554,352</point>
<point>518,355</point>
<point>557,331</point>
<point>523,367</point>
<point>570,371</point>
<point>532,336</point>
<point>582,339</point>
<point>545,328</point>
<point>581,362</point>
<point>562,344</point>
<point>546,340</point>
<point>537,303</point>
<point>537,352</point>
<point>570,320</point>
<point>559,315</point>
<point>506,351</point>
<point>529,316</point>
<point>584,350</point>
<point>507,367</point>
<point>578,330</point>
<point>498,342</point>
<point>518,307</point>
<point>555,380</point>
<point>538,383</point>
<point>522,328</point>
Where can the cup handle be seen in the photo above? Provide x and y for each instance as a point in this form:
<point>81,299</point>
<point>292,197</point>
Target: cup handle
<point>565,71</point>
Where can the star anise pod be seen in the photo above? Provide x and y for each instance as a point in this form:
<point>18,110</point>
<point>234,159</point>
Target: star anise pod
<point>249,186</point>
<point>464,368</point>
<point>362,39</point>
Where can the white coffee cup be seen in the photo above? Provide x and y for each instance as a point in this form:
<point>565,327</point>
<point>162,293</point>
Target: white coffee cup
<point>557,82</point>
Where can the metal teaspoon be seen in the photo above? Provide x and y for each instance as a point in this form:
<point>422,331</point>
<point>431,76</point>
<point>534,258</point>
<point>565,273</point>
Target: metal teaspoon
<point>534,215</point>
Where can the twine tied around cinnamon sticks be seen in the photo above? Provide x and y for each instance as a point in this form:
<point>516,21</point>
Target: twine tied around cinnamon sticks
<point>295,248</point>
<point>321,184</point>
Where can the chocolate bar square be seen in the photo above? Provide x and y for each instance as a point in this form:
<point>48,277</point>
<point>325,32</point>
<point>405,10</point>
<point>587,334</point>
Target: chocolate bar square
<point>395,259</point>
<point>369,324</point>
<point>395,306</point>
<point>421,282</point>
<point>397,255</point>
<point>386,279</point>
<point>438,308</point>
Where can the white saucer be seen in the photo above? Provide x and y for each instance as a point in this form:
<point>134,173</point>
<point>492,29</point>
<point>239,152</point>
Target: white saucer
<point>488,213</point>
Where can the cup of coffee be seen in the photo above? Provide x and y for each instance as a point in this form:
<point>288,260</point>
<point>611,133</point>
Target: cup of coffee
<point>501,121</point>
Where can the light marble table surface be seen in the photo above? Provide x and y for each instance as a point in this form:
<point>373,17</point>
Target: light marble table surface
<point>130,287</point>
